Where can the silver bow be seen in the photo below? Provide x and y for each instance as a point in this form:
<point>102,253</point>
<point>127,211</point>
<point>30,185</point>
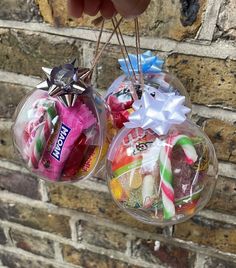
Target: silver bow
<point>158,112</point>
<point>66,82</point>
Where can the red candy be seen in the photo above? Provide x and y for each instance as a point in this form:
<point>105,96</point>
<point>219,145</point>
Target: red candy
<point>119,102</point>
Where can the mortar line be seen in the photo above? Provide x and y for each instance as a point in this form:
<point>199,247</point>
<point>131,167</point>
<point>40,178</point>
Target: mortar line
<point>116,255</point>
<point>43,191</point>
<point>220,50</point>
<point>57,251</point>
<point>220,112</point>
<point>74,234</point>
<point>9,197</point>
<point>31,256</point>
<point>172,241</point>
<point>210,20</point>
<point>199,261</point>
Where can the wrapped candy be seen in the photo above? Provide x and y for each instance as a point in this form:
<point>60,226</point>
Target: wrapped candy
<point>58,129</point>
<point>123,92</point>
<point>161,168</point>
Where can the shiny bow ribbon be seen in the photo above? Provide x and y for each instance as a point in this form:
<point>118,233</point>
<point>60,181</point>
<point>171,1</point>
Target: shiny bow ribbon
<point>66,82</point>
<point>158,112</point>
<point>149,63</point>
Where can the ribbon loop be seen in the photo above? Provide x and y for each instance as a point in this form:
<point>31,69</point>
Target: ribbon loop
<point>66,82</point>
<point>158,113</point>
<point>149,63</point>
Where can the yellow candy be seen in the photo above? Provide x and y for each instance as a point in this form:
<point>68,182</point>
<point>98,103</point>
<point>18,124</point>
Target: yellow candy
<point>135,179</point>
<point>116,189</point>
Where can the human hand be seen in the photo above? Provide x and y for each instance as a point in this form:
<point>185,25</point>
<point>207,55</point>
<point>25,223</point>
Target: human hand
<point>108,8</point>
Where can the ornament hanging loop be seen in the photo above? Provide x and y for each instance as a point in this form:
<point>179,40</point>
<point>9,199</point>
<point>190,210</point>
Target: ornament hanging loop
<point>67,82</point>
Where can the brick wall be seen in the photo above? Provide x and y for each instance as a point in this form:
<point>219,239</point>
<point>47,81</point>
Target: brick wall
<point>46,225</point>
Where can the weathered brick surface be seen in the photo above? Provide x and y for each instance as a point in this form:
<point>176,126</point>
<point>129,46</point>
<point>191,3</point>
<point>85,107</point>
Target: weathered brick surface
<point>226,25</point>
<point>170,256</point>
<point>6,145</point>
<point>208,81</point>
<point>92,202</point>
<point>19,183</point>
<point>223,136</point>
<point>27,53</point>
<point>3,239</point>
<point>19,10</point>
<point>33,244</point>
<point>170,19</point>
<point>89,259</point>
<point>209,233</point>
<point>217,263</point>
<point>35,218</point>
<point>224,197</point>
<point>10,96</point>
<point>11,260</point>
<point>108,68</point>
<point>102,236</point>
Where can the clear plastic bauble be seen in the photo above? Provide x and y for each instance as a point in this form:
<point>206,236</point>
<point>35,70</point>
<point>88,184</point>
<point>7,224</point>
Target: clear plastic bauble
<point>119,96</point>
<point>162,180</point>
<point>59,143</point>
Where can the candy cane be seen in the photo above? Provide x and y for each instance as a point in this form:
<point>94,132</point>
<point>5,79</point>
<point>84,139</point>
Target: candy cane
<point>41,136</point>
<point>166,184</point>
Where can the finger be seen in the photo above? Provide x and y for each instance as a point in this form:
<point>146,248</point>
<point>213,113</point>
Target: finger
<point>107,9</point>
<point>131,8</point>
<point>76,8</point>
<point>91,7</point>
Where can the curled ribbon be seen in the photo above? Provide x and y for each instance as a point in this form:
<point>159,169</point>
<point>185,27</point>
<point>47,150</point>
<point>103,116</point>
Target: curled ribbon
<point>158,112</point>
<point>149,63</point>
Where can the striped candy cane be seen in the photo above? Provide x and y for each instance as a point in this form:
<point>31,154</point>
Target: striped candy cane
<point>166,174</point>
<point>40,137</point>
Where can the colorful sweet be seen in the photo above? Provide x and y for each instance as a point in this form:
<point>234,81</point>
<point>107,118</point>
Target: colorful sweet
<point>166,174</point>
<point>161,168</point>
<point>127,88</point>
<point>59,129</point>
<point>38,130</point>
<point>73,121</point>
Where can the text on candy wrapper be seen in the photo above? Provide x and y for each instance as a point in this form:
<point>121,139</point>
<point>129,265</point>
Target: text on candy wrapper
<point>63,134</point>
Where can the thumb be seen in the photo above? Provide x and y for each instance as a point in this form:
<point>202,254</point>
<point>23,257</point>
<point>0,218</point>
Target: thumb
<point>131,8</point>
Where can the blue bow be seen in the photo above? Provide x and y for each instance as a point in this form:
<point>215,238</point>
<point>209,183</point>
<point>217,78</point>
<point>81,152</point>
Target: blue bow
<point>149,63</point>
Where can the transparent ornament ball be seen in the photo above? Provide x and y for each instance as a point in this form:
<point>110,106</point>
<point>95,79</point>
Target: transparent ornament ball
<point>120,97</point>
<point>162,180</point>
<point>59,143</point>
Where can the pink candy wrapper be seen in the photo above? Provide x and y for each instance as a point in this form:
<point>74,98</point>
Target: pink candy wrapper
<point>72,122</point>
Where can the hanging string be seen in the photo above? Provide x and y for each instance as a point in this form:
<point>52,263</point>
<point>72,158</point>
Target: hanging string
<point>138,46</point>
<point>121,48</point>
<point>99,37</point>
<point>125,51</point>
<point>99,54</point>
